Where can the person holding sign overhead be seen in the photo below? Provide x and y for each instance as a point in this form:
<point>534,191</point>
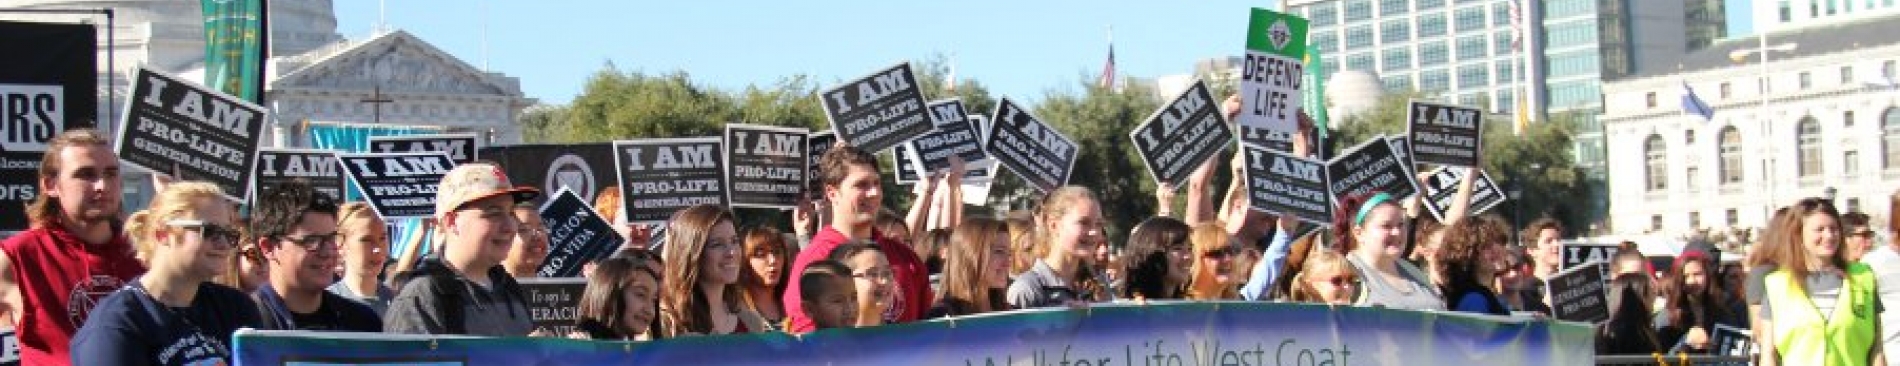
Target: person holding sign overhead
<point>1818,309</point>
<point>852,190</point>
<point>464,289</point>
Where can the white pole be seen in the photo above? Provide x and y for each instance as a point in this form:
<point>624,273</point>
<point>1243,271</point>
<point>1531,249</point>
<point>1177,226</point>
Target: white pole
<point>1768,164</point>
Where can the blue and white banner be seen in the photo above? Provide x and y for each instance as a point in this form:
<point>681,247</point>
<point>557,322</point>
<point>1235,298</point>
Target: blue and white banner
<point>1224,333</point>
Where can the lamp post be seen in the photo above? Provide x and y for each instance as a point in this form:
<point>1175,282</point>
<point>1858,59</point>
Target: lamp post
<point>1515,191</point>
<point>1767,149</point>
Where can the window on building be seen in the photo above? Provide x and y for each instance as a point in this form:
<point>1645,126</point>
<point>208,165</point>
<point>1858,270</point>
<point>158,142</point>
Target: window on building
<point>1850,163</point>
<point>1358,37</point>
<point>1468,19</point>
<point>1814,8</point>
<point>1733,217</point>
<point>1434,81</point>
<point>1887,69</point>
<point>1729,147</point>
<point>1433,54</point>
<point>1688,138</point>
<point>1397,83</point>
<point>1396,30</point>
<point>1471,99</point>
<point>1890,139</point>
<point>1655,223</point>
<point>1471,48</point>
<point>1847,120</point>
<point>1833,7</point>
<point>1323,14</point>
<point>1555,9</point>
<point>1357,10</point>
<point>1787,12</point>
<point>1695,220</point>
<point>1581,32</point>
<point>1847,75</point>
<point>1473,76</point>
<point>1655,158</point>
<point>1325,42</point>
<point>1575,94</point>
<point>1505,73</point>
<point>1690,176</point>
<point>1501,43</point>
<point>1806,80</point>
<point>1505,100</point>
<point>1649,100</point>
<point>1575,63</point>
<point>1360,62</point>
<point>1431,25</point>
<point>1853,205</point>
<point>1429,4</point>
<point>1395,59</point>
<point>1807,144</point>
<point>1393,7</point>
<point>1500,14</point>
<point>1726,91</point>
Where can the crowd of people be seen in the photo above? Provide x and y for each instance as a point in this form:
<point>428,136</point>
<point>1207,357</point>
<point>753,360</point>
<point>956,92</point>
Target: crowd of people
<point>169,284</point>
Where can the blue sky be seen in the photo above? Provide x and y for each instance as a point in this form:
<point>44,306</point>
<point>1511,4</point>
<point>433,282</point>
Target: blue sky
<point>1017,48</point>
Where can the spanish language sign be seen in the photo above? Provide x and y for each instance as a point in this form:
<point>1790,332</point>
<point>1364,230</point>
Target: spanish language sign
<point>1369,167</point>
<point>576,235</point>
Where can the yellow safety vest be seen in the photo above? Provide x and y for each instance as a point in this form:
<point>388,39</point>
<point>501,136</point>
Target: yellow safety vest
<point>1803,337</point>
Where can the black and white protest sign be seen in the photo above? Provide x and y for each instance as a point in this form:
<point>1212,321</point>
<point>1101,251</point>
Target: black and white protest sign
<point>460,146</point>
<point>952,137</point>
<point>1579,254</point>
<point>1403,149</point>
<point>554,303</point>
<point>1576,294</point>
<point>49,83</point>
<point>201,133</point>
<point>1370,167</point>
<point>1182,135</point>
<point>398,185</point>
<point>9,347</point>
<point>879,110</point>
<point>660,176</point>
<point>816,144</point>
<point>1444,134</point>
<point>582,168</point>
<point>1441,187</point>
<point>576,234</point>
<point>1038,153</point>
<point>1282,184</point>
<point>1731,341</point>
<point>278,166</point>
<point>765,165</point>
<point>902,163</point>
<point>1269,139</point>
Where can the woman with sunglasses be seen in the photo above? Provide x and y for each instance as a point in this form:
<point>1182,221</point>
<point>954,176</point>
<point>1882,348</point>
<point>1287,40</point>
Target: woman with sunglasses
<point>1210,276</point>
<point>186,238</point>
<point>1818,309</point>
<point>245,270</point>
<point>1325,278</point>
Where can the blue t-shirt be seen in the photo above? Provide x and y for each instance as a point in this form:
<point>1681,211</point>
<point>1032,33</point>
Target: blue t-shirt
<point>131,328</point>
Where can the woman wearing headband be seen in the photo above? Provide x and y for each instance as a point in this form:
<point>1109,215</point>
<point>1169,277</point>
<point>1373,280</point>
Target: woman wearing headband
<point>1371,230</point>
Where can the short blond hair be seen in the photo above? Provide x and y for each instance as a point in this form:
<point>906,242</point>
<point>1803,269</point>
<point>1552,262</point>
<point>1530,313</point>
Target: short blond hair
<point>178,200</point>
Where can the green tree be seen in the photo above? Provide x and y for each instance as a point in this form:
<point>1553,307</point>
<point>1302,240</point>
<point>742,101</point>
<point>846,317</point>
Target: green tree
<point>1098,120</point>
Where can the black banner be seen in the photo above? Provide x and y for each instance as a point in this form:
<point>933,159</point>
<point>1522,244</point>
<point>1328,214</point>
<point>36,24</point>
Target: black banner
<point>1182,135</point>
<point>1579,254</point>
<point>879,110</point>
<point>48,84</point>
<point>278,166</point>
<point>554,303</point>
<point>398,185</point>
<point>1442,186</point>
<point>953,136</point>
<point>205,135</point>
<point>1576,294</point>
<point>1282,184</point>
<point>1444,134</point>
<point>576,234</point>
<point>582,168</point>
<point>660,176</point>
<point>765,165</point>
<point>1371,166</point>
<point>1038,153</point>
<point>460,146</point>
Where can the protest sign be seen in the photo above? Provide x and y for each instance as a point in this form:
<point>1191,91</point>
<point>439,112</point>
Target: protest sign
<point>1732,341</point>
<point>1182,135</point>
<point>1038,153</point>
<point>582,168</point>
<point>576,234</point>
<point>816,144</point>
<point>174,126</point>
<point>879,110</point>
<point>1441,187</point>
<point>952,137</point>
<point>1282,184</point>
<point>765,165</point>
<point>901,161</point>
<point>9,348</point>
<point>1270,78</point>
<point>1576,294</point>
<point>1444,134</point>
<point>278,166</point>
<point>1370,167</point>
<point>1403,149</point>
<point>660,176</point>
<point>460,146</point>
<point>398,185</point>
<point>554,303</point>
<point>1578,254</point>
<point>49,81</point>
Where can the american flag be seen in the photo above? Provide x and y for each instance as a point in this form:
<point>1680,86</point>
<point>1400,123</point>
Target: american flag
<point>1517,25</point>
<point>1108,70</point>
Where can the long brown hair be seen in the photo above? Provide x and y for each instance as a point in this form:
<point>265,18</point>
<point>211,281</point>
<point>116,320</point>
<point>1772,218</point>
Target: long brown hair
<point>764,239</point>
<point>1789,230</point>
<point>1023,246</point>
<point>45,209</point>
<point>602,302</point>
<point>1687,309</point>
<point>684,303</point>
<point>965,266</point>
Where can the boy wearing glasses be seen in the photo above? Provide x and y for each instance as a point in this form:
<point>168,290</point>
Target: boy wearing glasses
<point>463,289</point>
<point>295,230</point>
<point>73,255</point>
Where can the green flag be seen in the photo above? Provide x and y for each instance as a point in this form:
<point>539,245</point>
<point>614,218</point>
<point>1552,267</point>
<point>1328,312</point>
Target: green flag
<point>234,46</point>
<point>1315,89</point>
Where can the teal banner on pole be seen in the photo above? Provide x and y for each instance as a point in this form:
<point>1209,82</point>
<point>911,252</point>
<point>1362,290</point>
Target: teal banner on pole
<point>1200,333</point>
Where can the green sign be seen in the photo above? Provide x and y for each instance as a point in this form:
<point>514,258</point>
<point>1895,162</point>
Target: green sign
<point>1271,79</point>
<point>234,48</point>
<point>1275,33</point>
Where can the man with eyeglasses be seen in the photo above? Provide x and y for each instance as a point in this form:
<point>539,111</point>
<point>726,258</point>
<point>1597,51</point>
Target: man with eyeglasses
<point>463,289</point>
<point>295,229</point>
<point>73,255</point>
<point>531,243</point>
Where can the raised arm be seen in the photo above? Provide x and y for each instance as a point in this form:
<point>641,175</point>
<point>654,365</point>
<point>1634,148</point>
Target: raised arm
<point>920,203</point>
<point>1461,203</point>
<point>1199,208</point>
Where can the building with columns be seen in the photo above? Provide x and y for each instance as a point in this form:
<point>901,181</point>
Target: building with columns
<point>1828,125</point>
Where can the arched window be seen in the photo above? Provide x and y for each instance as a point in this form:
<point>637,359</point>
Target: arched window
<point>1890,139</point>
<point>1729,146</point>
<point>1655,157</point>
<point>1807,145</point>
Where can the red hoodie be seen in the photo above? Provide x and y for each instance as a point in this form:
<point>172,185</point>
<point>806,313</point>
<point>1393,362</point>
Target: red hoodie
<point>913,279</point>
<point>60,278</point>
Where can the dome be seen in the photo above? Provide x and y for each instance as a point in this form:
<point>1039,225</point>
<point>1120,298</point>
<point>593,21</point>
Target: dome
<point>1352,92</point>
<point>168,35</point>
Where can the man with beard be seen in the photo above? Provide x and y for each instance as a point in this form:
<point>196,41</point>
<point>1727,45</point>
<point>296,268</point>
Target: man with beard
<point>852,190</point>
<point>73,255</point>
<point>295,226</point>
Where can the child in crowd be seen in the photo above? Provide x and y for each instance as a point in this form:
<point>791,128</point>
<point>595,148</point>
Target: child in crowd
<point>872,277</point>
<point>831,301</point>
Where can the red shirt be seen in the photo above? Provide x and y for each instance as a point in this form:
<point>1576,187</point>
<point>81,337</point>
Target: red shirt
<point>60,278</point>
<point>913,279</point>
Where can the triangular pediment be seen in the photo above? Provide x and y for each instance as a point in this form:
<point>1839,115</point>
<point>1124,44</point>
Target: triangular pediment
<point>396,62</point>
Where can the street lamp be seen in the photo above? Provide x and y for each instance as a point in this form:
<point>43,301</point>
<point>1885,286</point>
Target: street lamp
<point>1515,191</point>
<point>1767,149</point>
